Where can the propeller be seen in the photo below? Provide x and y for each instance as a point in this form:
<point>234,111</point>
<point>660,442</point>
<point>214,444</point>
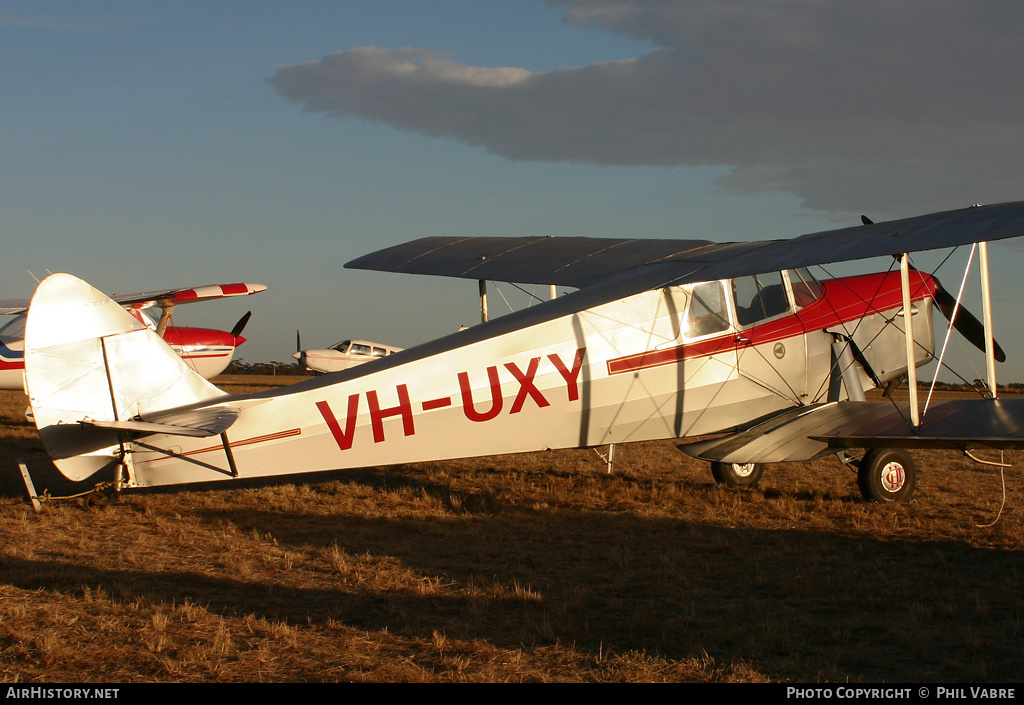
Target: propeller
<point>962,320</point>
<point>298,347</point>
<point>240,326</point>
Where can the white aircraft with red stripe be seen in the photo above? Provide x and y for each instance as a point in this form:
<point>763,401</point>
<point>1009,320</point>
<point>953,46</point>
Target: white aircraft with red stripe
<point>663,339</point>
<point>341,356</point>
<point>208,351</point>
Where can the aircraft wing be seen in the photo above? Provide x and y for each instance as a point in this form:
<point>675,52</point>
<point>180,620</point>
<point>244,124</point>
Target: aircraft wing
<point>568,261</point>
<point>582,262</point>
<point>163,297</point>
<point>174,297</point>
<point>808,432</point>
<point>13,307</point>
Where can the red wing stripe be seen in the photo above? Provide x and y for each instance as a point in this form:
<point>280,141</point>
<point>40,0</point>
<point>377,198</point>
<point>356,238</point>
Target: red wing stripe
<point>232,289</point>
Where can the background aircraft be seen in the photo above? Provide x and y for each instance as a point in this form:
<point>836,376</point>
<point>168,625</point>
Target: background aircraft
<point>341,356</point>
<point>208,351</point>
<point>663,339</point>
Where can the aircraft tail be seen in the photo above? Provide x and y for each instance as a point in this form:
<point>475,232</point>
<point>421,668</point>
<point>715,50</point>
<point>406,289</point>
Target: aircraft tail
<point>92,370</point>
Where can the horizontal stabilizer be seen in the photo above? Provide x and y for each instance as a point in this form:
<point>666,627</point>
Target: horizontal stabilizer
<point>201,423</point>
<point>810,432</point>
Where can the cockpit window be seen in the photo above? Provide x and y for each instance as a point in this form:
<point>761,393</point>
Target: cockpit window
<point>708,312</point>
<point>358,349</point>
<point>806,289</point>
<point>342,346</point>
<point>759,297</point>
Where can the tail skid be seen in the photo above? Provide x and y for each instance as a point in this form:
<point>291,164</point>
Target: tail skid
<point>93,373</point>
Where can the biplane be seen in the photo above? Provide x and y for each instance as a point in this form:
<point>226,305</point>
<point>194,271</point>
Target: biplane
<point>661,339</point>
<point>207,350</point>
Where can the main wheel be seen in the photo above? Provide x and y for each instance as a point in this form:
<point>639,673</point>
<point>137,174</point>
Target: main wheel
<point>737,474</point>
<point>887,475</point>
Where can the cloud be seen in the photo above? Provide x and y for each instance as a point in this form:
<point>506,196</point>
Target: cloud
<point>897,105</point>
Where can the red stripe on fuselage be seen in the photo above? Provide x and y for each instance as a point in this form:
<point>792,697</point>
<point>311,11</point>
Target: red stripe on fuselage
<point>844,300</point>
<point>234,444</point>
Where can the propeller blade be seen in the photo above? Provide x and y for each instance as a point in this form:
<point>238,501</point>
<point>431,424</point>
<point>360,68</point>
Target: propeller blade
<point>298,342</point>
<point>965,323</point>
<point>240,326</point>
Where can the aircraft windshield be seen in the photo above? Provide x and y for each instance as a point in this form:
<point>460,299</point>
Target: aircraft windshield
<point>806,289</point>
<point>14,328</point>
<point>342,346</point>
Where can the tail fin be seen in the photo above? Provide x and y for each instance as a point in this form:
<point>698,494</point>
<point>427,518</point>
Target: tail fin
<point>86,358</point>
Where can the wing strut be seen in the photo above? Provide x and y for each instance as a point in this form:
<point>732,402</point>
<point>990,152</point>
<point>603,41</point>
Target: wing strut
<point>165,318</point>
<point>908,330</point>
<point>986,296</point>
<point>483,300</point>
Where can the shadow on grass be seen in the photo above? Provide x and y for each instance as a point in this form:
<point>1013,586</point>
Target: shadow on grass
<point>802,605</point>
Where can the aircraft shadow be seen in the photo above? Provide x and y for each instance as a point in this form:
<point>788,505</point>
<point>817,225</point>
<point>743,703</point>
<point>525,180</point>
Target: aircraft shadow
<point>513,576</point>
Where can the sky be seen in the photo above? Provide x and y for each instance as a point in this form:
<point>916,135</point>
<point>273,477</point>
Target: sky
<point>159,144</point>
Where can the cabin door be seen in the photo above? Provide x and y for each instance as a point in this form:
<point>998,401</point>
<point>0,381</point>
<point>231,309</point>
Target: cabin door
<point>770,351</point>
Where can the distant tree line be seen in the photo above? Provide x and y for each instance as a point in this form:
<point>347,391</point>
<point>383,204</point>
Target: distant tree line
<point>1015,387</point>
<point>241,367</point>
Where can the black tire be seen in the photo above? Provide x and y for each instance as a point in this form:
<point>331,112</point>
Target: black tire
<point>737,474</point>
<point>887,475</point>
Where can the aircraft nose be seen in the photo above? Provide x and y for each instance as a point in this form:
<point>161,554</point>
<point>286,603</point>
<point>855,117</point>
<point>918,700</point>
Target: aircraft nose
<point>297,355</point>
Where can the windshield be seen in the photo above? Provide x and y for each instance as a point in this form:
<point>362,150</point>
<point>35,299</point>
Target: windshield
<point>15,328</point>
<point>806,289</point>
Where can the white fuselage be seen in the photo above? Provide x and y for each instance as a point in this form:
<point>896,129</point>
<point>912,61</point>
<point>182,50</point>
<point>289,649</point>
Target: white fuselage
<point>343,355</point>
<point>634,369</point>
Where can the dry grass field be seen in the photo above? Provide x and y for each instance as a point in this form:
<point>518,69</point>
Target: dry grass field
<point>537,567</point>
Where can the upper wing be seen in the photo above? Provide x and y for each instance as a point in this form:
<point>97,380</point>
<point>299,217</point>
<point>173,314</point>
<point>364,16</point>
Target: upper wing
<point>569,261</point>
<point>581,262</point>
<point>163,297</point>
<point>174,297</point>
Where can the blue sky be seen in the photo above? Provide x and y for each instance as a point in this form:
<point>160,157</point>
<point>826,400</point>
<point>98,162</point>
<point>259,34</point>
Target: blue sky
<point>151,144</point>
